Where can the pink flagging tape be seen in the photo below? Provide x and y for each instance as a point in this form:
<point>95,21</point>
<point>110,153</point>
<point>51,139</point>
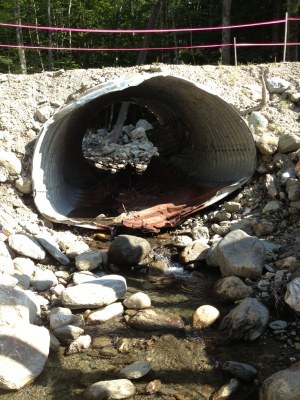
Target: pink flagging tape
<point>266,44</point>
<point>294,19</point>
<point>137,31</point>
<point>114,49</point>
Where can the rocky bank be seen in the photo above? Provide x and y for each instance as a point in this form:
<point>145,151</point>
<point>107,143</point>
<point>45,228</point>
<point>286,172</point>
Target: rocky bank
<point>57,281</point>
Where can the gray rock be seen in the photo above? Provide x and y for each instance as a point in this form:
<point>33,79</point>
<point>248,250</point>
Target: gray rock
<point>293,189</point>
<point>89,260</point>
<point>83,277</point>
<point>196,251</point>
<point>53,250</point>
<point>243,371</point>
<point>142,123</point>
<point>98,293</point>
<point>43,114</point>
<point>76,248</point>
<point>246,321</point>
<point>105,314</point>
<point>292,295</point>
<point>182,241</point>
<point>257,119</point>
<point>26,246</point>
<point>284,385</point>
<point>57,320</point>
<point>232,288</point>
<point>288,142</point>
<point>277,85</point>
<point>43,279</point>
<point>24,352</point>
<point>113,389</point>
<point>137,301</point>
<point>150,319</point>
<point>23,271</point>
<point>11,162</point>
<point>270,186</point>
<point>212,256</point>
<point>128,250</point>
<point>241,255</point>
<point>272,207</point>
<point>79,345</point>
<point>67,333</point>
<point>54,343</point>
<point>278,325</point>
<point>136,370</point>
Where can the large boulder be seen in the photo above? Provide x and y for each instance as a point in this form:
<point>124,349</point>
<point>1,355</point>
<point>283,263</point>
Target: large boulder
<point>23,354</point>
<point>284,385</point>
<point>95,293</point>
<point>128,250</point>
<point>241,255</point>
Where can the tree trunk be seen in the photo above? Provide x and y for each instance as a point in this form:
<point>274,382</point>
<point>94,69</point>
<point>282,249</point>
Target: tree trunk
<point>226,32</point>
<point>34,16</point>
<point>277,14</point>
<point>49,6</point>
<point>19,33</point>
<point>116,133</point>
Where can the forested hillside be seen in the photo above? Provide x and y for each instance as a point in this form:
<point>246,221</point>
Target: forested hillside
<point>142,14</point>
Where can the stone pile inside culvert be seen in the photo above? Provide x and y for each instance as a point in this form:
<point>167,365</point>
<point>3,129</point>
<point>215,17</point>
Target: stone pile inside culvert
<point>133,148</point>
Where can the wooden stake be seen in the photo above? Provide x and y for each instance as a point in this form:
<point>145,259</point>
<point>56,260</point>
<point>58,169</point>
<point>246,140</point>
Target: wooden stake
<point>235,52</point>
<point>285,36</point>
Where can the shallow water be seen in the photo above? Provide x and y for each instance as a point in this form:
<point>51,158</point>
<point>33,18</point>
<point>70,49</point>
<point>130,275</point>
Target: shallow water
<point>187,362</point>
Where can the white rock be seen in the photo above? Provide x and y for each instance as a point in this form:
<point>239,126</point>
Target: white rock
<point>105,314</point>
<point>26,246</point>
<point>89,260</point>
<point>24,185</point>
<point>76,248</point>
<point>182,241</point>
<point>8,280</point>
<point>59,310</point>
<point>113,389</point>
<point>4,174</point>
<point>24,352</point>
<point>98,293</point>
<point>283,385</point>
<point>6,264</point>
<point>277,85</point>
<point>68,333</point>
<point>142,123</point>
<point>205,316</point>
<point>83,276</point>
<point>292,295</point>
<point>80,344</point>
<point>43,279</point>
<point>23,271</point>
<point>11,162</point>
<point>137,301</point>
<point>43,114</point>
<point>136,370</point>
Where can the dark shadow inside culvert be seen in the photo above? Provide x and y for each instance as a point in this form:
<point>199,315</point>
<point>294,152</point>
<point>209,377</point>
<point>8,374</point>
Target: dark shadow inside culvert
<point>206,151</point>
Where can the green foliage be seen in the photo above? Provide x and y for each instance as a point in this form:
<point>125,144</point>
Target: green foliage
<point>132,14</point>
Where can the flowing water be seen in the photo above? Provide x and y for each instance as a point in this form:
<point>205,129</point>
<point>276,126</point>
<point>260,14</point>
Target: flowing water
<point>186,362</point>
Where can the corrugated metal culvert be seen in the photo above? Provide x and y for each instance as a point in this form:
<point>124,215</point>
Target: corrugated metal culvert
<point>206,152</point>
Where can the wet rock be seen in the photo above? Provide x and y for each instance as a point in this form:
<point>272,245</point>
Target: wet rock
<point>128,250</point>
<point>79,345</point>
<point>194,252</point>
<point>43,279</point>
<point>136,370</point>
<point>150,319</point>
<point>243,371</point>
<point>246,321</point>
<point>24,352</point>
<point>205,316</point>
<point>242,255</point>
<point>182,241</point>
<point>257,119</point>
<point>88,261</point>
<point>288,142</point>
<point>105,314</point>
<point>232,288</point>
<point>24,185</point>
<point>292,295</point>
<point>113,389</point>
<point>67,333</point>
<point>98,293</point>
<point>137,301</point>
<point>11,162</point>
<point>284,385</point>
<point>26,246</point>
<point>277,85</point>
<point>227,390</point>
<point>278,325</point>
<point>53,250</point>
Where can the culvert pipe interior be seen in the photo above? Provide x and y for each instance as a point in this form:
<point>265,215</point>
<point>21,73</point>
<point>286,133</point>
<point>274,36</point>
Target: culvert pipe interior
<point>206,152</point>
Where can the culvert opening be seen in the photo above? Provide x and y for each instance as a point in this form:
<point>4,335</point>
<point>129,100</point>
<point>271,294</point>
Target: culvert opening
<point>204,151</point>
